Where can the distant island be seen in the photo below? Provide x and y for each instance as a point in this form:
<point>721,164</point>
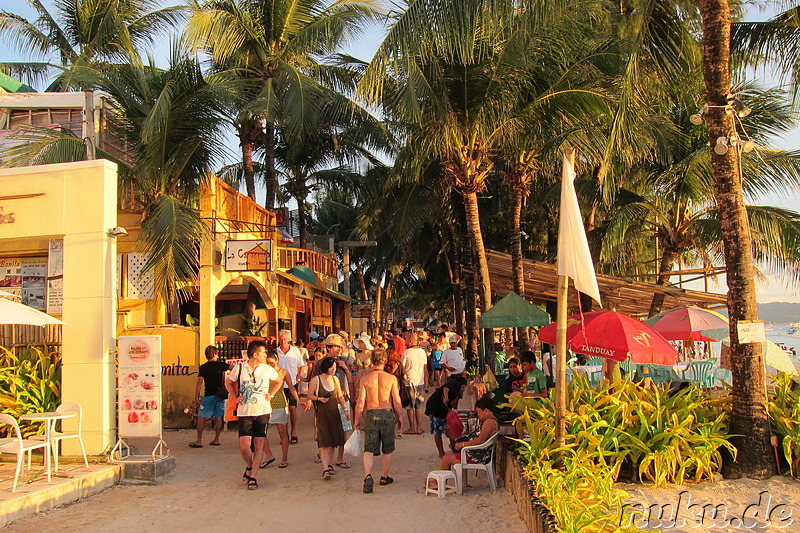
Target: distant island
<point>779,312</point>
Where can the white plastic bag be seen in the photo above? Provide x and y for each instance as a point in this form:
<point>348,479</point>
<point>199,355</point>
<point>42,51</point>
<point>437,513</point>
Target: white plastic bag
<point>355,444</point>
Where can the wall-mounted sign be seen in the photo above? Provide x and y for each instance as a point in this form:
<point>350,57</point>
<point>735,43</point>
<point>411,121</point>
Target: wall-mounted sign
<point>299,305</point>
<point>361,310</point>
<point>248,256</point>
<point>6,217</point>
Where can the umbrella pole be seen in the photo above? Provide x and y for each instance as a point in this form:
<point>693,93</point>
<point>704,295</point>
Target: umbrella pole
<point>561,362</point>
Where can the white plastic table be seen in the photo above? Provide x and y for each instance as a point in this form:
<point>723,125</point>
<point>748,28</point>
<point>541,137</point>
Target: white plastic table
<point>49,418</point>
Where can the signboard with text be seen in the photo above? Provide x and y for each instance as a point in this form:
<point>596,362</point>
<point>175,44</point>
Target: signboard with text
<point>248,256</point>
<point>139,384</point>
<point>55,277</point>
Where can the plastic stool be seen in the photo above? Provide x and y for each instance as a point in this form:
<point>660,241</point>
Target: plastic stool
<point>441,477</point>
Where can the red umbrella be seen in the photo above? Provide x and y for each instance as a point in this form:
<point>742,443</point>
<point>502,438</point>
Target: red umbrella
<point>613,335</point>
<point>690,323</point>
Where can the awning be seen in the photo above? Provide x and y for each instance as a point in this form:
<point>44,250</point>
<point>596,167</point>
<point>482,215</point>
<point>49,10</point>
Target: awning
<point>514,311</point>
<point>303,275</point>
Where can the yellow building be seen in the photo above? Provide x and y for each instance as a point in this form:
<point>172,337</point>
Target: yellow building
<point>73,208</point>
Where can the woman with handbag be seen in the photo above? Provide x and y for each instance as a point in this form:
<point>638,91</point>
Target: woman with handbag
<point>326,393</point>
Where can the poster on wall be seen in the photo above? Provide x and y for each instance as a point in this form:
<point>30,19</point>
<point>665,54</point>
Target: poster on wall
<point>139,386</point>
<point>34,278</point>
<point>11,276</point>
<point>55,277</point>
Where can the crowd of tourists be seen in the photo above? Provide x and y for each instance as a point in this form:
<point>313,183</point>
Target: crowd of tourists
<point>363,384</point>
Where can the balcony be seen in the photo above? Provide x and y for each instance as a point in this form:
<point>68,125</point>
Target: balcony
<point>319,263</point>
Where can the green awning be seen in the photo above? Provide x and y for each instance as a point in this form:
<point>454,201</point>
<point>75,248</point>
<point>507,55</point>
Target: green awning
<point>13,86</point>
<point>514,311</point>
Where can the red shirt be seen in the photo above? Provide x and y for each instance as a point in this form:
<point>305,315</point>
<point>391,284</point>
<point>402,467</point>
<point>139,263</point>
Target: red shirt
<point>399,344</point>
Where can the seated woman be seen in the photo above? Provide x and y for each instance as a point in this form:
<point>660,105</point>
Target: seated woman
<point>489,426</point>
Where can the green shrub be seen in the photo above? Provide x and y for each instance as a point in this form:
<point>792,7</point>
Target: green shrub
<point>784,411</point>
<point>29,383</point>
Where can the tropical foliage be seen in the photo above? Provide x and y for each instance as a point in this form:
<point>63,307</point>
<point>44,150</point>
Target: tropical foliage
<point>29,383</point>
<point>784,412</point>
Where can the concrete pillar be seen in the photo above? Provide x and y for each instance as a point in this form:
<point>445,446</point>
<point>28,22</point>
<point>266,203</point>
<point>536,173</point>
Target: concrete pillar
<point>208,294</point>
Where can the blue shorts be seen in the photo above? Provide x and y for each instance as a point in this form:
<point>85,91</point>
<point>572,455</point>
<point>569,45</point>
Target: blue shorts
<point>212,406</point>
<point>438,425</point>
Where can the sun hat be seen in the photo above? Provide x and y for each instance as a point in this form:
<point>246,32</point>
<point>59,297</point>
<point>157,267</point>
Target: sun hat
<point>366,340</point>
<point>334,339</point>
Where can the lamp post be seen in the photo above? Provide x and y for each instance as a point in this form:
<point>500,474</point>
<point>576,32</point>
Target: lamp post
<point>345,246</point>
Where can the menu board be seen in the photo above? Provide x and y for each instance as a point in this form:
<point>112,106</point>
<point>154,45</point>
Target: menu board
<point>25,278</point>
<point>139,386</point>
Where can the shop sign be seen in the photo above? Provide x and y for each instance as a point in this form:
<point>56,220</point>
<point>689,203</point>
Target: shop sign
<point>361,310</point>
<point>139,384</point>
<point>299,305</point>
<point>751,331</point>
<point>6,217</point>
<point>248,256</point>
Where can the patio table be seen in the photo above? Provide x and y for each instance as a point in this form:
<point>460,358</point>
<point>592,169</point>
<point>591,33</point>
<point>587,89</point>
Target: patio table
<point>49,418</point>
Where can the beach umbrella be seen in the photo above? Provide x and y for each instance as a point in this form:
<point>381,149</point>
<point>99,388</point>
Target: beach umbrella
<point>775,357</point>
<point>690,323</point>
<point>614,336</point>
<point>16,313</point>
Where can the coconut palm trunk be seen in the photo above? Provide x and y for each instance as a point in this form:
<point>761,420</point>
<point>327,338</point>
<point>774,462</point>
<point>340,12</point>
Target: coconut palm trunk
<point>664,269</point>
<point>475,235</point>
<point>269,161</point>
<point>749,414</point>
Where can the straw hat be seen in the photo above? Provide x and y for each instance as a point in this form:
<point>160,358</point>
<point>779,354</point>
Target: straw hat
<point>334,339</point>
<point>424,334</point>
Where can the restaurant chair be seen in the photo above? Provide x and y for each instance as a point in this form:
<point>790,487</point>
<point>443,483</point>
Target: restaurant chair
<point>595,361</point>
<point>19,446</point>
<point>701,372</point>
<point>57,436</point>
<point>630,369</point>
<point>461,469</point>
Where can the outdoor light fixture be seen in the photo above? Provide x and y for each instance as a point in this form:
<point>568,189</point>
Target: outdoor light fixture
<point>721,147</point>
<point>744,146</point>
<point>737,105</point>
<point>119,231</point>
<point>697,118</point>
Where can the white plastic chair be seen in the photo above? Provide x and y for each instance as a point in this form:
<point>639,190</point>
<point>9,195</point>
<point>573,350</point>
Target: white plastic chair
<point>57,436</point>
<point>460,469</point>
<point>19,446</point>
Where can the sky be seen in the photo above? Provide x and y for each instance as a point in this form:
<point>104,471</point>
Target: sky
<point>774,288</point>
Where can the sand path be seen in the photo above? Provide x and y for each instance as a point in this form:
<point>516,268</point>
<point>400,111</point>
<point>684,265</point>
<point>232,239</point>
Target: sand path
<point>206,494</point>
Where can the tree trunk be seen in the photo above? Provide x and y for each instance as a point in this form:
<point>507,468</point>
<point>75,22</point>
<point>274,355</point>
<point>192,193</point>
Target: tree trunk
<point>664,269</point>
<point>749,414</point>
<point>247,163</point>
<point>269,161</point>
<point>362,280</point>
<point>458,295</point>
<point>470,314</point>
<point>376,314</point>
<point>475,235</point>
<point>301,221</point>
<point>515,238</point>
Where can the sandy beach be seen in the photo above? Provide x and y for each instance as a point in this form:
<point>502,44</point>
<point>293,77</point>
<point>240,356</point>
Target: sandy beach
<point>207,494</point>
<point>770,505</point>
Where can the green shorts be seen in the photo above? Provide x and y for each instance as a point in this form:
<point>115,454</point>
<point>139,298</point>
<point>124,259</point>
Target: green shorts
<point>379,431</point>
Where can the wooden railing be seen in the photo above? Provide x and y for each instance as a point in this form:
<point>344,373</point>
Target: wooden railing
<point>321,264</point>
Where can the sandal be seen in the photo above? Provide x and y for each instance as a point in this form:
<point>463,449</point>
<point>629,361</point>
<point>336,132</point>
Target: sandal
<point>343,465</point>
<point>368,484</point>
<point>252,483</point>
<point>245,476</point>
<point>385,480</point>
<point>317,459</point>
<point>326,474</point>
<point>283,465</point>
<point>293,440</point>
<point>264,465</point>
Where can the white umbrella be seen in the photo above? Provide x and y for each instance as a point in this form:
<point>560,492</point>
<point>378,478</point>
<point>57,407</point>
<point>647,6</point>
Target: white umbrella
<point>17,313</point>
<point>4,294</point>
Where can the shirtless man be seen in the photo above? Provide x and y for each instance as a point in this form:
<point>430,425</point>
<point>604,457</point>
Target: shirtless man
<point>379,396</point>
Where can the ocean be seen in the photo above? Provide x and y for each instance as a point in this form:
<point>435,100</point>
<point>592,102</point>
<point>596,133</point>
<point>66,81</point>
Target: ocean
<point>779,334</point>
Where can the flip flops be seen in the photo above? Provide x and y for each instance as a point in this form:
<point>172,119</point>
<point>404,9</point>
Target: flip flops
<point>213,444</point>
<point>264,465</point>
<point>343,465</point>
<point>283,465</point>
<point>293,440</point>
<point>193,445</point>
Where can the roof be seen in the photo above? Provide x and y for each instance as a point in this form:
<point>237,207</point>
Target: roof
<point>513,311</point>
<point>626,296</point>
<point>11,85</point>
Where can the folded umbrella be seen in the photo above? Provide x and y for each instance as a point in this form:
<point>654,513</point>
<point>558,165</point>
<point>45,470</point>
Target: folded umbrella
<point>614,336</point>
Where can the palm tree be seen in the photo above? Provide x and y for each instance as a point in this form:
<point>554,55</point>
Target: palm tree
<point>274,46</point>
<point>82,35</point>
<point>749,415</point>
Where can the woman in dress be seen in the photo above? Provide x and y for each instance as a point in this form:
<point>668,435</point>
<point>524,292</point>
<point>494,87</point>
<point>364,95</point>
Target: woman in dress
<point>326,393</point>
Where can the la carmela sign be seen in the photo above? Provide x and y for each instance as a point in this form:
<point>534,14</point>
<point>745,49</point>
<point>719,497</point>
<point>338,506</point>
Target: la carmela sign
<point>248,255</point>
